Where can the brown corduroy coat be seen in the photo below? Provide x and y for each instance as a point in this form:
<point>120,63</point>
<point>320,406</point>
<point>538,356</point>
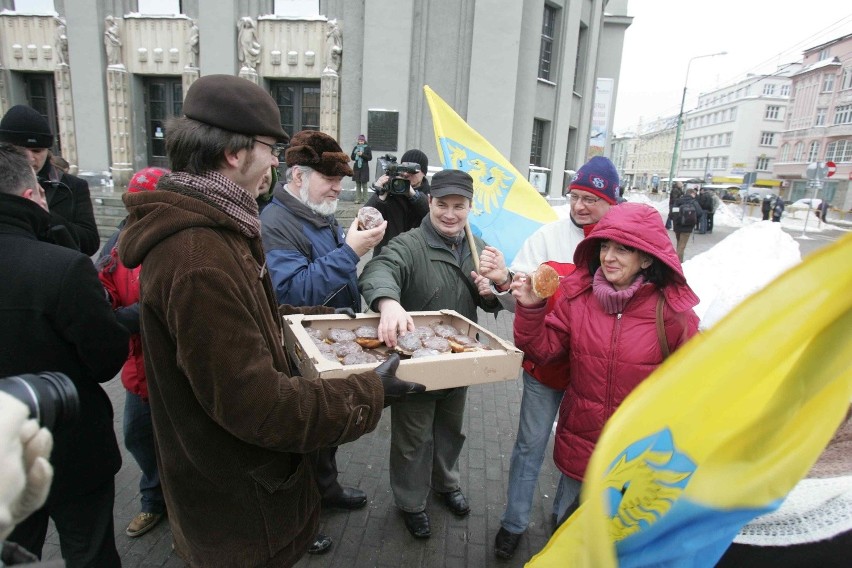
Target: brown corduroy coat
<point>233,429</point>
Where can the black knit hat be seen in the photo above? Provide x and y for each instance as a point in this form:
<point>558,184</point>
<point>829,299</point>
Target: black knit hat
<point>234,104</point>
<point>417,157</point>
<point>24,126</point>
<point>451,182</point>
<point>319,151</point>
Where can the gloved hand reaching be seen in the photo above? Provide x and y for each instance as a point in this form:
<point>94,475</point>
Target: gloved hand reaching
<point>395,389</point>
<point>25,473</point>
<point>345,311</point>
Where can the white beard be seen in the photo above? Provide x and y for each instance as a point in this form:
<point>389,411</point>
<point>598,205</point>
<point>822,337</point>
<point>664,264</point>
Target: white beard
<point>325,208</point>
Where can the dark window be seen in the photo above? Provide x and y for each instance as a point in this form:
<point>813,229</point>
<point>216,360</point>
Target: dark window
<point>42,97</point>
<point>537,145</point>
<point>299,104</point>
<point>163,100</point>
<point>548,28</point>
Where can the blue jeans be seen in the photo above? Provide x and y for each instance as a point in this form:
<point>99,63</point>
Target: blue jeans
<point>139,441</point>
<point>567,499</point>
<point>539,405</point>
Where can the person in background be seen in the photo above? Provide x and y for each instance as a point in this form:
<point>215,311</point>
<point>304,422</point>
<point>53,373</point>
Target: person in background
<point>122,285</point>
<point>675,194</point>
<point>264,190</point>
<point>56,317</point>
<point>403,212</point>
<point>685,215</point>
<point>67,196</point>
<point>766,206</point>
<point>777,209</point>
<point>620,314</point>
<point>822,210</point>
<point>591,194</point>
<point>705,222</point>
<point>312,262</point>
<point>235,430</point>
<point>428,268</point>
<point>362,155</point>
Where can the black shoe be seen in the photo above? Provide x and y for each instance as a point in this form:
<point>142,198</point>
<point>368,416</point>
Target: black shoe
<point>505,543</point>
<point>348,498</point>
<point>417,524</point>
<point>456,502</point>
<point>320,545</point>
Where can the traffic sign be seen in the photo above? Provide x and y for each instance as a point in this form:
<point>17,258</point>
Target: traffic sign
<point>811,171</point>
<point>831,167</point>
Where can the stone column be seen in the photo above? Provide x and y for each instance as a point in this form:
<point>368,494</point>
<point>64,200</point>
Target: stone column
<point>330,103</point>
<point>118,97</point>
<point>65,114</point>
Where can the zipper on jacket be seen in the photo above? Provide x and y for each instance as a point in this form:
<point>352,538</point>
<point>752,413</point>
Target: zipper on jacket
<point>616,330</point>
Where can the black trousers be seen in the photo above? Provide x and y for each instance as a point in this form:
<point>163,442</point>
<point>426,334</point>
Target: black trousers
<point>84,524</point>
<point>326,471</point>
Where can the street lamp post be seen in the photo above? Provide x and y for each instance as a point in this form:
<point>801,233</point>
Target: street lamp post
<point>680,114</point>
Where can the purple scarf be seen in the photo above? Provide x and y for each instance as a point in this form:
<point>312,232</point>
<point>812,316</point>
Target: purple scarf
<point>613,301</point>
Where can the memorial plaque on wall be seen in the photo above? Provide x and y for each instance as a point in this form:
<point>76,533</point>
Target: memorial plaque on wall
<point>382,130</point>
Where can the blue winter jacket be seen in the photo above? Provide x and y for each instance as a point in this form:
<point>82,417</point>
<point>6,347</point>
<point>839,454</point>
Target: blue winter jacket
<point>307,256</point>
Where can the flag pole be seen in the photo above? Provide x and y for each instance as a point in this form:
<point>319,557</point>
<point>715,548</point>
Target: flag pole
<point>472,244</point>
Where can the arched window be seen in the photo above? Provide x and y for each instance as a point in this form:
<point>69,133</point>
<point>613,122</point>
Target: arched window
<point>813,151</point>
<point>785,152</point>
<point>797,152</point>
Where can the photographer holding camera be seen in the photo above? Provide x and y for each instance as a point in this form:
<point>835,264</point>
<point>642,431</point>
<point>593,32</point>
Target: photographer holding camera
<point>57,318</point>
<point>400,194</point>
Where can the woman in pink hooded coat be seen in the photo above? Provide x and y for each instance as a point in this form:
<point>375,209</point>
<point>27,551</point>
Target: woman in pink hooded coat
<point>606,322</point>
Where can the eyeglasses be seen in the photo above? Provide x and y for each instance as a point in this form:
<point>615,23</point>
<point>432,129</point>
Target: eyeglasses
<point>587,200</point>
<point>277,149</point>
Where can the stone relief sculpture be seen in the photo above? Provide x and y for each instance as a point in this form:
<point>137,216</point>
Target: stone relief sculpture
<point>248,46</point>
<point>61,41</point>
<point>112,40</point>
<point>334,42</point>
<point>193,47</point>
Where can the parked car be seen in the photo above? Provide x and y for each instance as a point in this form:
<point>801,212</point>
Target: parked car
<point>729,197</point>
<point>754,198</point>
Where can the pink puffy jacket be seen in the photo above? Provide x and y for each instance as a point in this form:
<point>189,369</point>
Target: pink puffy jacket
<point>609,354</point>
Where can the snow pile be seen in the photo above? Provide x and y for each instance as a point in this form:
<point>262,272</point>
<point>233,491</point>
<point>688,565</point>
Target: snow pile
<point>740,265</point>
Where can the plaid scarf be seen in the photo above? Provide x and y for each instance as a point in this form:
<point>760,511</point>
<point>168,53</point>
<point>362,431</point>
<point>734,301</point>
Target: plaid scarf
<point>233,200</point>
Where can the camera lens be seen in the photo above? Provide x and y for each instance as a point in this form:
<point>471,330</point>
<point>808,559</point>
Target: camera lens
<point>51,397</point>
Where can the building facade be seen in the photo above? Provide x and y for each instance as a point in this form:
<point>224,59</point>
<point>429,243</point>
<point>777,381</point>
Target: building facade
<point>819,125</point>
<point>737,129</point>
<point>107,74</point>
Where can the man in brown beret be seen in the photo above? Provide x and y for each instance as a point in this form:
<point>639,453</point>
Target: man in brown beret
<point>312,261</point>
<point>236,432</point>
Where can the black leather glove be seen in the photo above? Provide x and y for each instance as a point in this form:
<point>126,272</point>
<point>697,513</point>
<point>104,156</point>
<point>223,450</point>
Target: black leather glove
<point>345,311</point>
<point>395,389</point>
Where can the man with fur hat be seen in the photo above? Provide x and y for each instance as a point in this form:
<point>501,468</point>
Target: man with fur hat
<point>403,212</point>
<point>428,268</point>
<point>591,193</point>
<point>312,261</point>
<point>235,431</point>
<point>67,196</point>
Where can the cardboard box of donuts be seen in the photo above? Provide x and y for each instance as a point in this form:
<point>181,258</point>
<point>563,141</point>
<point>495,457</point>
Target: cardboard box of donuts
<point>446,350</point>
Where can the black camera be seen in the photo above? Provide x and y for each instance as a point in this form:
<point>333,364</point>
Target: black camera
<point>51,397</point>
<point>396,184</point>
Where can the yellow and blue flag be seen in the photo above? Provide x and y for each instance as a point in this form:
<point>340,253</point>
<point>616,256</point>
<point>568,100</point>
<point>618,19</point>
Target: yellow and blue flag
<point>722,431</point>
<point>506,207</point>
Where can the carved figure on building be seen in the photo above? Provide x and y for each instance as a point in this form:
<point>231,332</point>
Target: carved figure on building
<point>61,40</point>
<point>193,45</point>
<point>249,46</point>
<point>112,40</point>
<point>334,42</point>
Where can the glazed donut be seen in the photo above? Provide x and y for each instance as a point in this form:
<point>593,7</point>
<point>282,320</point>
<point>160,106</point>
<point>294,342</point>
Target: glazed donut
<point>408,343</point>
<point>367,336</point>
<point>444,330</point>
<point>424,352</point>
<point>315,333</point>
<point>424,332</point>
<point>344,348</point>
<point>336,335</point>
<point>369,218</point>
<point>359,358</point>
<point>461,343</point>
<point>436,343</point>
<point>544,281</point>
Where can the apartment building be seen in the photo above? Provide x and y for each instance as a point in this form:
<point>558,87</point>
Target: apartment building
<point>737,129</point>
<point>107,74</point>
<point>819,124</point>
